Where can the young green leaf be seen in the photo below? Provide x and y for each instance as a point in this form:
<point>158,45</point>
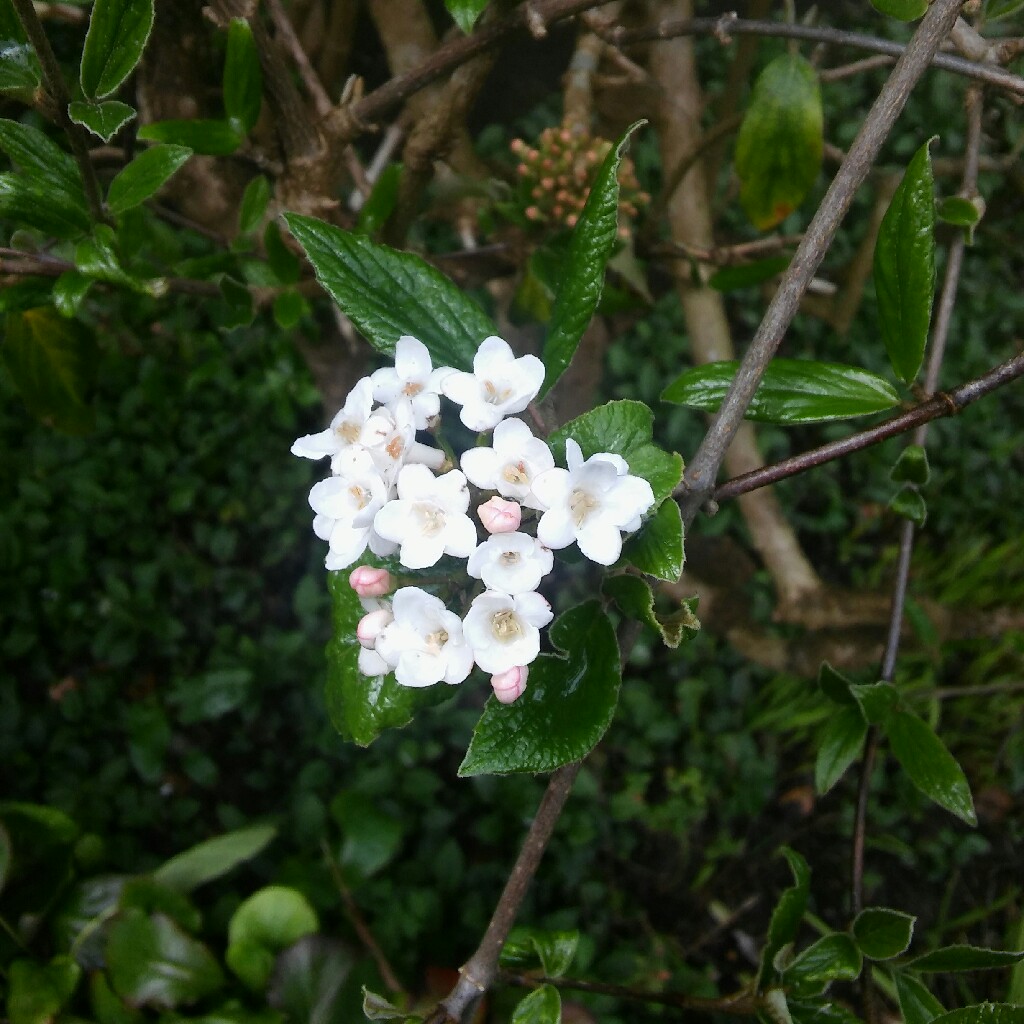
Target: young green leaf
<point>387,293</point>
<point>213,858</point>
<point>243,79</point>
<point>904,267</point>
<point>964,958</point>
<point>254,205</point>
<point>786,917</point>
<point>465,12</point>
<point>904,10</point>
<point>841,742</point>
<point>68,292</point>
<point>104,119</point>
<point>835,685</point>
<point>917,1004</point>
<point>210,137</point>
<point>118,31</point>
<point>634,597</point>
<point>876,700</point>
<point>657,549</point>
<point>959,211</point>
<point>584,266</point>
<point>145,176</point>
<point>882,933</point>
<point>381,201</point>
<point>833,957</point>
<point>792,391</point>
<point>909,503</point>
<point>778,151</point>
<point>289,308</point>
<point>20,74</point>
<point>568,704</point>
<point>529,948</point>
<point>267,922</point>
<point>931,767</point>
<point>911,467</point>
<point>543,1006</point>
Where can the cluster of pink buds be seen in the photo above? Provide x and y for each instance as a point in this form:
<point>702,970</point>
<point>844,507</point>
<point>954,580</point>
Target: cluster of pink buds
<point>556,176</point>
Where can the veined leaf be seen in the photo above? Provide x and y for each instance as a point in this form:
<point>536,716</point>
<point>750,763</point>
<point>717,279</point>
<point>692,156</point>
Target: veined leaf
<point>833,957</point>
<point>104,119</point>
<point>47,167</point>
<point>210,137</point>
<point>118,31</point>
<point>528,948</point>
<point>882,933</point>
<point>634,597</point>
<point>20,74</point>
<point>542,1006</point>
<point>657,547</point>
<point>145,176</point>
<point>841,742</point>
<point>27,204</point>
<point>917,1004</point>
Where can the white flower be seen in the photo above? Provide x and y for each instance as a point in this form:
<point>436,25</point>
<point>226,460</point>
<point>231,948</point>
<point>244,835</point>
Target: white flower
<point>499,385</point>
<point>590,503</point>
<point>411,380</point>
<point>425,643</point>
<point>504,631</point>
<point>387,435</point>
<point>371,663</point>
<point>429,518</point>
<point>513,563</point>
<point>510,466</point>
<point>346,428</point>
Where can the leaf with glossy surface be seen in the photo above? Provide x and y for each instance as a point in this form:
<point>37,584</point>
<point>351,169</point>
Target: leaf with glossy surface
<point>387,293</point>
<point>965,958</point>
<point>104,119</point>
<point>842,740</point>
<point>24,203</point>
<point>657,548</point>
<point>49,170</point>
<point>584,265</point>
<point>243,79</point>
<point>118,31</point>
<point>931,767</point>
<point>210,137</point>
<point>527,949</point>
<point>465,12</point>
<point>917,1004</point>
<point>20,73</point>
<point>778,151</point>
<point>791,392</point>
<point>882,933</point>
<point>543,1006</point>
<point>145,176</point>
<point>267,922</point>
<point>832,958</point>
<point>903,10</point>
<point>904,267</point>
<point>568,704</point>
<point>787,915</point>
<point>959,211</point>
<point>213,858</point>
<point>635,598</point>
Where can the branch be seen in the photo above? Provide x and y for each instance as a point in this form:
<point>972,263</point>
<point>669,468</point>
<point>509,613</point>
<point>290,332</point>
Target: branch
<point>934,27</point>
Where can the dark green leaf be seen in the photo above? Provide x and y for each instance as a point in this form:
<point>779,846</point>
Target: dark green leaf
<point>832,958</point>
<point>842,739</point>
<point>51,361</point>
<point>787,915</point>
<point>106,1007</point>
<point>152,962</point>
<point>778,151</point>
<point>213,858</point>
<point>145,893</point>
<point>792,391</point>
<point>213,138</point>
<point>657,548</point>
<point>1001,8</point>
<point>931,767</point>
<point>289,308</point>
<point>911,467</point>
<point>283,262</point>
<point>959,211</point>
<point>243,80</point>
<point>882,933</point>
<point>254,205</point>
<point>542,1006</point>
<point>964,958</point>
<point>145,176</point>
<point>27,294</point>
<point>746,275</point>
<point>68,292</point>
<point>381,201</point>
<point>371,836</point>
<point>24,203</point>
<point>984,1013</point>
<point>553,952</point>
<point>308,979</point>
<point>876,700</point>
<point>10,24</point>
<point>904,10</point>
<point>909,503</point>
<point>917,1004</point>
<point>19,69</point>
<point>465,12</point>
<point>583,269</point>
<point>623,428</point>
<point>568,704</point>
<point>835,685</point>
<point>96,257</point>
<point>118,30</point>
<point>635,598</point>
<point>904,267</point>
<point>267,922</point>
<point>387,293</point>
<point>104,119</point>
<point>49,170</point>
<point>239,308</point>
<point>38,992</point>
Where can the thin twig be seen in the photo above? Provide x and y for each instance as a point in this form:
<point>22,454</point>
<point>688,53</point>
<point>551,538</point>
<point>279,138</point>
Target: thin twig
<point>310,79</point>
<point>857,67</point>
<point>987,690</point>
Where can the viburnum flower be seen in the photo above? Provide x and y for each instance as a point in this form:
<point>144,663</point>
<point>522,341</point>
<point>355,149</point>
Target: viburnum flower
<point>429,517</point>
<point>511,464</point>
<point>590,503</point>
<point>346,428</point>
<point>509,686</point>
<point>504,631</point>
<point>425,642</point>
<point>411,380</point>
<point>499,385</point>
<point>513,563</point>
<point>500,516</point>
<point>367,581</point>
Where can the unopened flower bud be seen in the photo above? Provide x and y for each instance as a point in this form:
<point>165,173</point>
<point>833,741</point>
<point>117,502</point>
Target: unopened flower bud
<point>370,626</point>
<point>509,685</point>
<point>369,582</point>
<point>499,515</point>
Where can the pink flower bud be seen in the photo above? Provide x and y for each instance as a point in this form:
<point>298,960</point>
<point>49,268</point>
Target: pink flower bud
<point>509,685</point>
<point>370,626</point>
<point>499,515</point>
<point>369,582</point>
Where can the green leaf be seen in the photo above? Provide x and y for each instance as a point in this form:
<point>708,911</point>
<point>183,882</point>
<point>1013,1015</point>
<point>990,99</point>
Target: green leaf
<point>10,24</point>
<point>267,922</point>
<point>746,275</point>
<point>214,857</point>
<point>465,12</point>
<point>911,467</point>
<point>254,205</point>
<point>904,10</point>
<point>542,1006</point>
<point>104,119</point>
<point>106,1007</point>
<point>787,915</point>
<point>371,836</point>
<point>145,893</point>
<point>243,79</point>
<point>145,176</point>
<point>835,685</point>
<point>526,949</point>
<point>387,293</point>
<point>635,598</point>
<point>964,958</point>
<point>1001,8</point>
<point>27,204</point>
<point>38,992</point>
<point>20,74</point>
<point>778,151</point>
<point>842,739</point>
<point>959,211</point>
<point>909,503</point>
<point>833,957</point>
<point>118,30</point>
<point>792,391</point>
<point>623,428</point>
<point>51,361</point>
<point>26,294</point>
<point>283,262</point>
<point>882,933</point>
<point>152,962</point>
<point>289,308</point>
<point>876,700</point>
<point>904,267</point>
<point>568,704</point>
<point>381,202</point>
<point>931,767</point>
<point>984,1013</point>
<point>210,137</point>
<point>657,547</point>
<point>917,1004</point>
<point>49,170</point>
<point>238,305</point>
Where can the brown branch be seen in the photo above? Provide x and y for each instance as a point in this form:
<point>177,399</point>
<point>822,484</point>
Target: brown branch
<point>310,79</point>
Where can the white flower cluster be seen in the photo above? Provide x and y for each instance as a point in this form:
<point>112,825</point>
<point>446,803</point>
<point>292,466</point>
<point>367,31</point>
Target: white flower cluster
<point>389,491</point>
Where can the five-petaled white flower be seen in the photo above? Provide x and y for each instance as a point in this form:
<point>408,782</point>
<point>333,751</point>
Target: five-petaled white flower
<point>346,428</point>
<point>424,643</point>
<point>513,563</point>
<point>429,517</point>
<point>590,503</point>
<point>510,466</point>
<point>412,380</point>
<point>499,385</point>
<point>504,631</point>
